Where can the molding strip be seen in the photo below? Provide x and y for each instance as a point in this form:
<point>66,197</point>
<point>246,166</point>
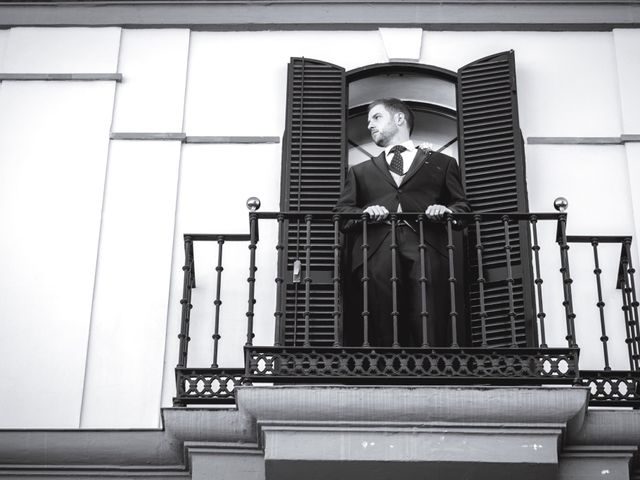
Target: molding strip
<point>83,77</point>
<point>583,140</point>
<point>95,471</point>
<point>147,136</point>
<point>243,15</point>
<point>182,137</point>
<point>219,139</point>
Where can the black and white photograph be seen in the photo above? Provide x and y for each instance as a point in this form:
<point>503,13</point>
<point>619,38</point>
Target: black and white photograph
<point>320,239</point>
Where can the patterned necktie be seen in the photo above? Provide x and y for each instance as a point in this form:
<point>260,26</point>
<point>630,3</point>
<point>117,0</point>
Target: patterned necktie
<point>396,165</point>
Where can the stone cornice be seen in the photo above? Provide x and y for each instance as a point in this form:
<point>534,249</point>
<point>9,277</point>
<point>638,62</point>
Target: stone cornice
<point>609,427</point>
<point>442,432</point>
<point>269,420</point>
<point>221,15</point>
<point>480,406</point>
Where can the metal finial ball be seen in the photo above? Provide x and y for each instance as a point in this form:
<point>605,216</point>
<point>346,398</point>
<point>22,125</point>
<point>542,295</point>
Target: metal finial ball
<point>561,204</point>
<point>253,204</point>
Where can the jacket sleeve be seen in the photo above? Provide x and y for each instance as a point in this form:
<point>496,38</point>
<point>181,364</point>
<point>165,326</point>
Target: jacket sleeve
<point>455,197</point>
<point>348,202</point>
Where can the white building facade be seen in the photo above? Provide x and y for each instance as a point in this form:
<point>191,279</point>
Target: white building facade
<point>126,125</point>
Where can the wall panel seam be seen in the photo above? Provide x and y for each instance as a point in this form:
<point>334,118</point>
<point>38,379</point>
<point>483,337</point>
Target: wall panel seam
<point>168,335</point>
<point>81,419</point>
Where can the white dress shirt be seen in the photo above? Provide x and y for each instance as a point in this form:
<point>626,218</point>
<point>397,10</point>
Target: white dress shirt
<point>407,159</point>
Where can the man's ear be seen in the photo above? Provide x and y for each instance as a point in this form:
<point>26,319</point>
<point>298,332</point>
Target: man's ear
<point>400,119</point>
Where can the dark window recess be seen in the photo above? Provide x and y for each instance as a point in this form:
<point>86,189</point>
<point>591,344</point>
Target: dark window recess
<point>313,171</point>
<point>492,162</point>
<point>493,169</point>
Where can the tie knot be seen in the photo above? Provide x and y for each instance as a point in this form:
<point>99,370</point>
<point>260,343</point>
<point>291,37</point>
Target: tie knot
<point>398,149</point>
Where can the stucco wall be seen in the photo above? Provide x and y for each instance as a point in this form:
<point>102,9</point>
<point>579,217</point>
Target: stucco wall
<point>92,247</point>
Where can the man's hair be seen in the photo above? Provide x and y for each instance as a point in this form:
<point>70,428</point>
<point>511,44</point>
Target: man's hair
<point>394,106</point>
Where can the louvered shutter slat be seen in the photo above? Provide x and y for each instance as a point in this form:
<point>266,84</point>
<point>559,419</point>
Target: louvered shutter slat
<point>492,162</point>
<point>313,161</point>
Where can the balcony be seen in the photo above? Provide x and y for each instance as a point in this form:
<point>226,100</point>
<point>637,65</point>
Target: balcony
<point>490,343</point>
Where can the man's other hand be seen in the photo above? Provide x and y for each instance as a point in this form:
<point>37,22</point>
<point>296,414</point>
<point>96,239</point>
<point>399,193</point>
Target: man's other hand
<point>436,212</point>
<point>377,213</point>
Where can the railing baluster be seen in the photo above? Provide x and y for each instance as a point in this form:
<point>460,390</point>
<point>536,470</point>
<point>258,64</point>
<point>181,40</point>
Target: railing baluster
<point>626,309</point>
<point>365,282</point>
<point>634,302</point>
<point>253,232</point>
<point>566,281</point>
<point>279,313</point>
<point>510,281</point>
<point>307,282</point>
<point>185,302</point>
<point>297,266</point>
<point>217,302</point>
<point>424,313</point>
<point>394,280</point>
<point>336,280</point>
<point>481,281</point>
<point>453,315</point>
<point>600,304</point>
<point>538,281</point>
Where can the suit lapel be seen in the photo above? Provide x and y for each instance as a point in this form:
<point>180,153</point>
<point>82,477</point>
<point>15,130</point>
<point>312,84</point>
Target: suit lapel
<point>381,164</point>
<point>418,162</point>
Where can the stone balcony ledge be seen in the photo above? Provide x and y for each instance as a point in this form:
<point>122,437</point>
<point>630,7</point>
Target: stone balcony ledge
<point>329,431</point>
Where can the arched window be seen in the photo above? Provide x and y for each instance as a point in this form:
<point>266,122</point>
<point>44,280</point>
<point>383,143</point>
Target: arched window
<point>429,91</point>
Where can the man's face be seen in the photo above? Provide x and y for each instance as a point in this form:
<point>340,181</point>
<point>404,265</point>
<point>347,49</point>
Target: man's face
<point>382,125</point>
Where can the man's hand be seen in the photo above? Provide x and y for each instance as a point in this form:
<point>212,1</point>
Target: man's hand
<point>436,212</point>
<point>377,213</point>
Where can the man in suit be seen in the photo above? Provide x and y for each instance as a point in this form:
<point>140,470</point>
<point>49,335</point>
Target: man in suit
<point>402,178</point>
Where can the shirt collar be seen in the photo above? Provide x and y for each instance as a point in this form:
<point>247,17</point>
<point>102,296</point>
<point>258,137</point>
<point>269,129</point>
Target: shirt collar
<point>408,145</point>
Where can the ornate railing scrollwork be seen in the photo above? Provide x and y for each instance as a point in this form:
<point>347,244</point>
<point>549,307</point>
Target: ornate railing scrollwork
<point>412,365</point>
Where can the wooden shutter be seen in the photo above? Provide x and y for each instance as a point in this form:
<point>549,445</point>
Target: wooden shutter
<point>493,170</point>
<point>313,164</point>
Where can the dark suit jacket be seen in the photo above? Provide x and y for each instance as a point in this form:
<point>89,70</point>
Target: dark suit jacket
<point>433,178</point>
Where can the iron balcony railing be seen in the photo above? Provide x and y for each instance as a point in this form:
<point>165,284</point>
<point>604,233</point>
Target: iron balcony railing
<point>483,363</point>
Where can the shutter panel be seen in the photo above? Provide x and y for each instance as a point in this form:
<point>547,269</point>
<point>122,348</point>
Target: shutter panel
<point>313,164</point>
<point>493,170</point>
